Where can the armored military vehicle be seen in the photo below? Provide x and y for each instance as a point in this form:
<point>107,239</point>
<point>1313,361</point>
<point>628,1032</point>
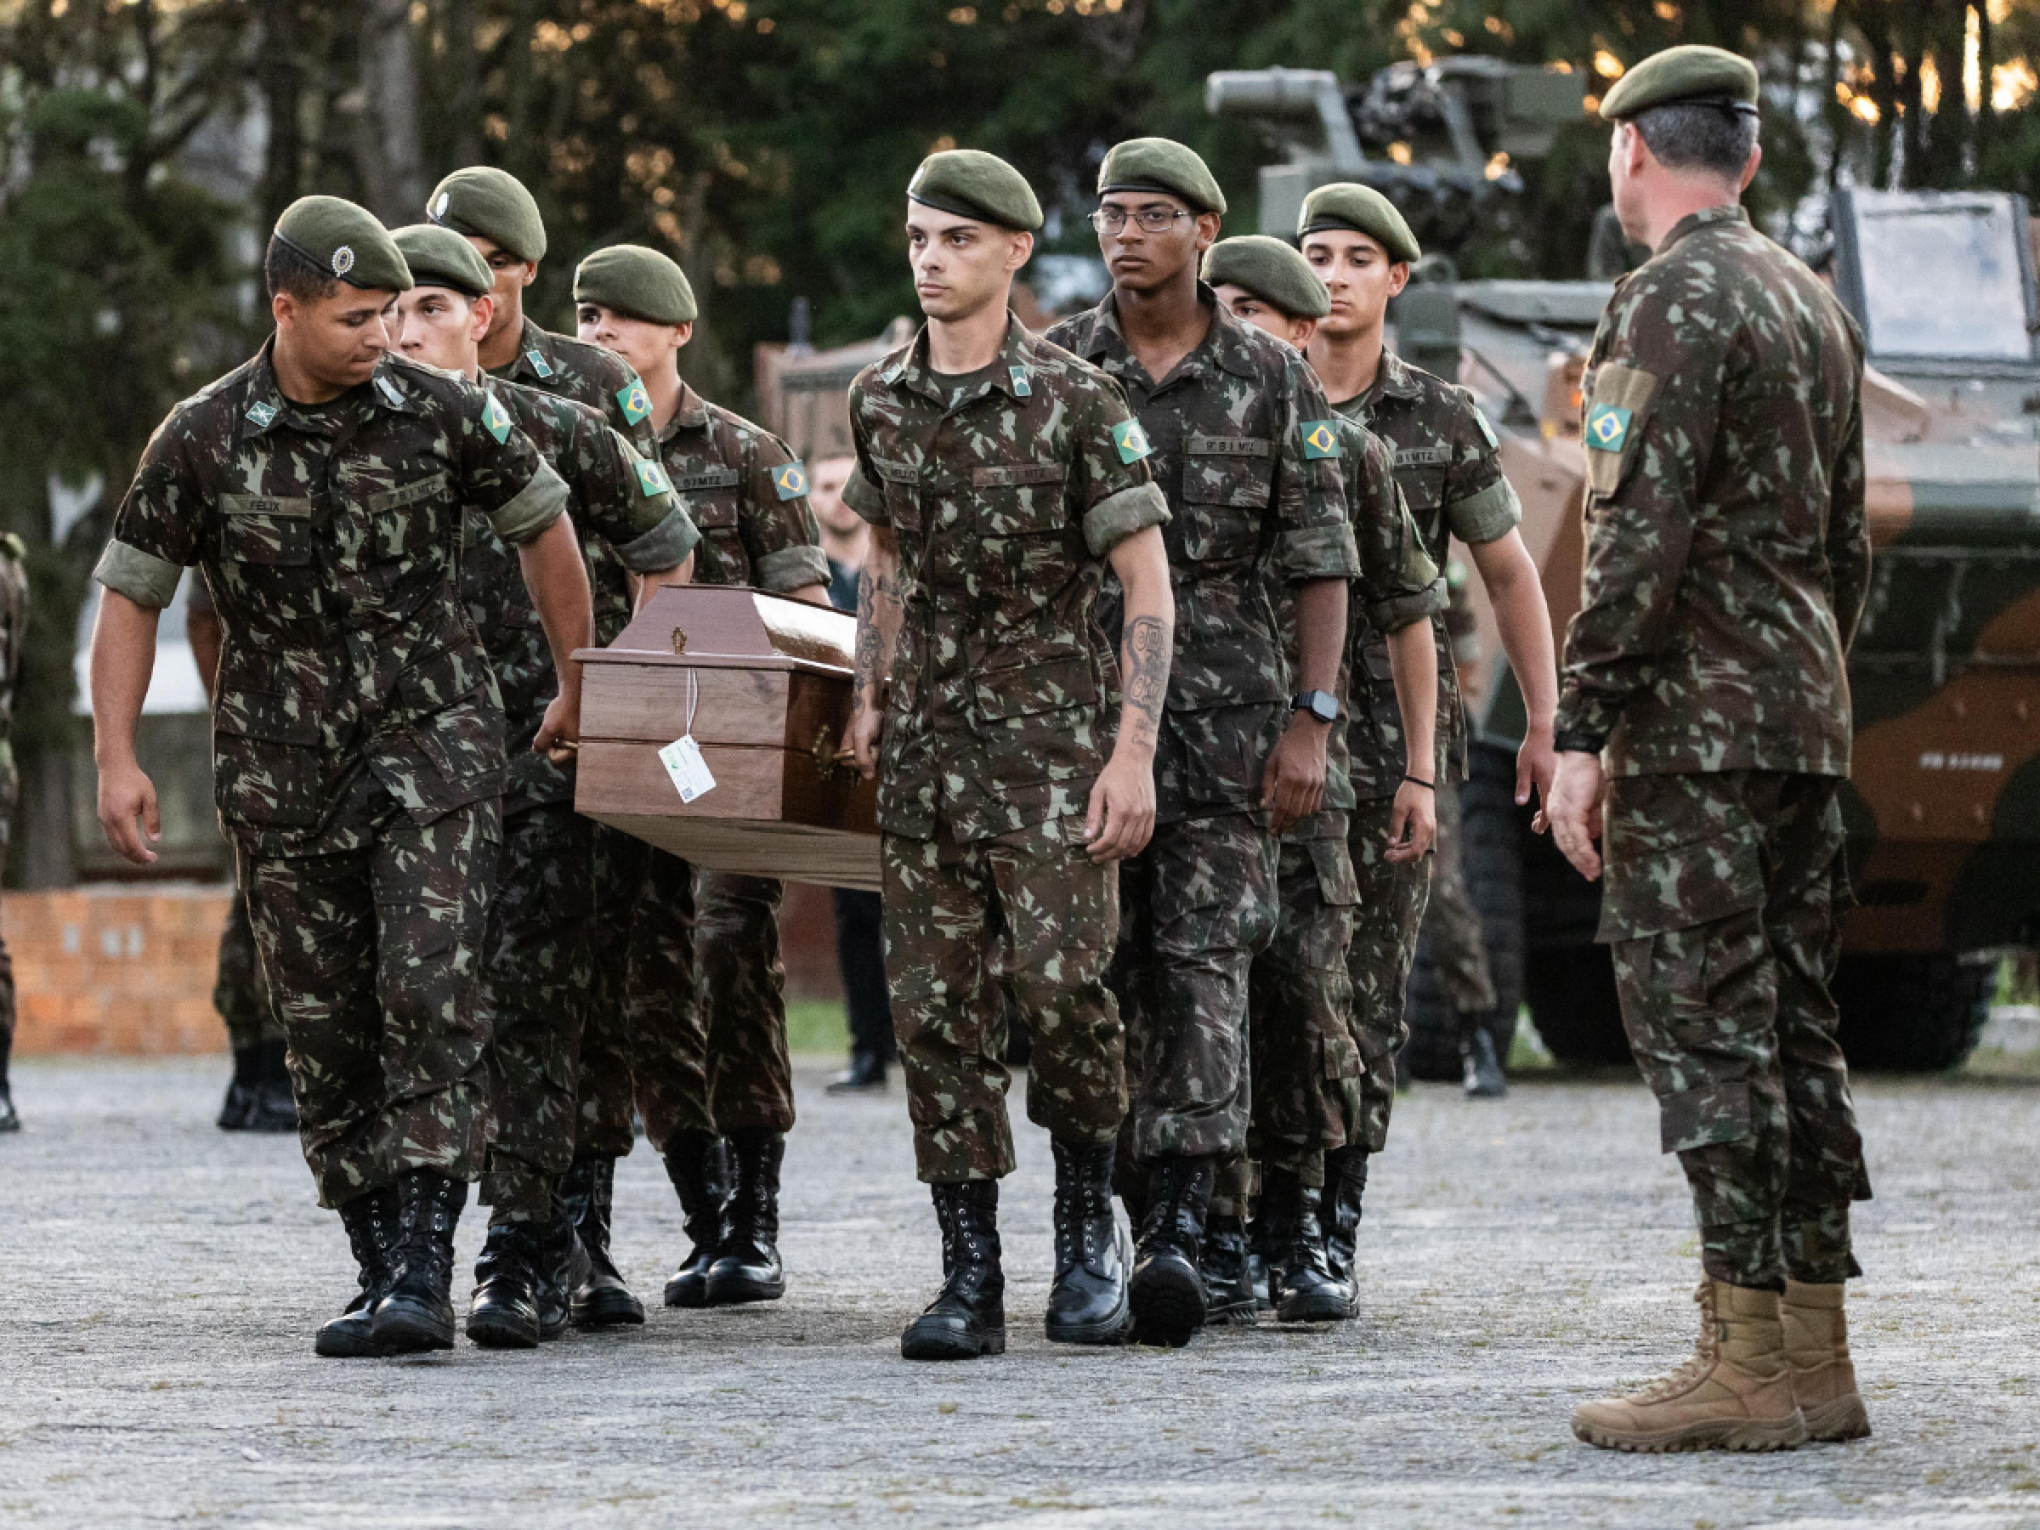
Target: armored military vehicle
<point>1944,808</point>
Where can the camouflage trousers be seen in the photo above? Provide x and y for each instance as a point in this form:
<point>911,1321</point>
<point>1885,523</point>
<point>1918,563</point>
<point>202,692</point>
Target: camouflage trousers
<point>10,788</point>
<point>1385,924</point>
<point>1197,905</point>
<point>1721,898</point>
<point>603,1107</point>
<point>1300,995</point>
<point>373,957</point>
<point>535,986</point>
<point>240,991</point>
<point>1451,924</point>
<point>1029,914</point>
<point>705,1004</point>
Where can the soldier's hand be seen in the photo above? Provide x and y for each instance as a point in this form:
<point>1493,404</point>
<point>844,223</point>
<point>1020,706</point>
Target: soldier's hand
<point>1574,810</point>
<point>1412,823</point>
<point>1536,764</point>
<point>860,739</point>
<point>1122,816</point>
<point>126,794</point>
<point>1294,783</point>
<point>559,735</point>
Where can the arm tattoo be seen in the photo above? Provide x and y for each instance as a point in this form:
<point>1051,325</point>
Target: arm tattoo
<point>879,610</point>
<point>1147,646</point>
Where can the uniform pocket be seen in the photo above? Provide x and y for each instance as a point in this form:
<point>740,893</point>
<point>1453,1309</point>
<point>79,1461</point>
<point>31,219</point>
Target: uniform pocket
<point>464,742</point>
<point>409,519</point>
<point>1680,851</point>
<point>266,760</point>
<point>1337,884</point>
<point>280,537</point>
<point>1228,483</point>
<point>1027,690</point>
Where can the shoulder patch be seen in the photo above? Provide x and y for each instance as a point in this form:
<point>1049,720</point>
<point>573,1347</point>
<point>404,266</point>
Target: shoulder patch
<point>539,364</point>
<point>1320,439</point>
<point>496,418</point>
<point>1021,387</point>
<point>634,401</point>
<point>1607,427</point>
<point>1131,440</point>
<point>651,478</point>
<point>790,479</point>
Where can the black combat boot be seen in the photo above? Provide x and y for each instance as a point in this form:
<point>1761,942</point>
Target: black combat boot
<point>698,1166</point>
<point>417,1311</point>
<point>273,1108</point>
<point>1167,1291</point>
<point>1088,1303</point>
<point>747,1267</point>
<point>240,1101</point>
<point>371,1223</point>
<point>1299,1278</point>
<point>601,1300</point>
<point>563,1266</point>
<point>865,1075</point>
<point>968,1316</point>
<point>1257,1261</point>
<point>9,1121</point>
<point>1485,1079</point>
<point>1226,1262</point>
<point>504,1311</point>
<point>1345,1183</point>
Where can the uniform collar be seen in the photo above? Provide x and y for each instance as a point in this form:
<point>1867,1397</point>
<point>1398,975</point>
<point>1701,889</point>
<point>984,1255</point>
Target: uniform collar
<point>1010,372</point>
<point>1396,378</point>
<point>1225,343</point>
<point>537,362</point>
<point>691,414</point>
<point>264,408</point>
<point>1707,217</point>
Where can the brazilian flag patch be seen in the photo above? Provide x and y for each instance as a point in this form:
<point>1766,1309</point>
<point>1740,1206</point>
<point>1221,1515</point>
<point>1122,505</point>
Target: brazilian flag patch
<point>1320,439</point>
<point>652,479</point>
<point>497,418</point>
<point>789,480</point>
<point>1607,428</point>
<point>634,401</point>
<point>1131,440</point>
<point>1021,387</point>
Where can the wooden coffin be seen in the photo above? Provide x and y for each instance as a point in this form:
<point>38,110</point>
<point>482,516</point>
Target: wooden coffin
<point>771,681</point>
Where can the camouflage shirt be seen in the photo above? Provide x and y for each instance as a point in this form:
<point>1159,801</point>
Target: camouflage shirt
<point>13,632</point>
<point>330,538</point>
<point>1398,584</point>
<point>602,380</point>
<point>747,494</point>
<point>1243,450</point>
<point>621,506</point>
<point>1727,556</point>
<point>1007,490</point>
<point>1449,466</point>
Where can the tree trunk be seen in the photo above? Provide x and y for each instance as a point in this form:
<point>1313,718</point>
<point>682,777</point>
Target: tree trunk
<point>387,141</point>
<point>42,821</point>
<point>280,76</point>
<point>466,68</point>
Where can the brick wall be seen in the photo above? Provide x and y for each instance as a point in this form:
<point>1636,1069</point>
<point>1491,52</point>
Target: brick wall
<point>114,970</point>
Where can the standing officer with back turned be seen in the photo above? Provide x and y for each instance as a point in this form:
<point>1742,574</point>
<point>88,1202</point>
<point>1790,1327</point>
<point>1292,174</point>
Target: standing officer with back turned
<point>1726,567</point>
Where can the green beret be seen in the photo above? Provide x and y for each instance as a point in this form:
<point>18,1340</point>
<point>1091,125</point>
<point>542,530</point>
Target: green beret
<point>1161,164</point>
<point>438,257</point>
<point>973,184</point>
<point>1272,271</point>
<point>1691,72</point>
<point>638,282</point>
<point>347,240</point>
<point>1359,210</point>
<point>487,203</point>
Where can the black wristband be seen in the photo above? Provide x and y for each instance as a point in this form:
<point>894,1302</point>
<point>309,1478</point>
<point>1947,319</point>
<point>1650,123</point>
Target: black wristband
<point>1429,786</point>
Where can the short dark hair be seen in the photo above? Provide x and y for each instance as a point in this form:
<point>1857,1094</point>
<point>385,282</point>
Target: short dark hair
<point>286,268</point>
<point>1693,135</point>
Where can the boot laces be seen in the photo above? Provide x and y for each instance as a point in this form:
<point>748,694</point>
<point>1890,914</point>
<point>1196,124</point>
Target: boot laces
<point>1706,1350</point>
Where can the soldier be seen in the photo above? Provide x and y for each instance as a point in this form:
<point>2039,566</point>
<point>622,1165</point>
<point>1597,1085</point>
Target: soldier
<point>498,216</point>
<point>13,630</point>
<point>1244,449</point>
<point>704,1003</point>
<point>1299,991</point>
<point>1727,562</point>
<point>1450,472</point>
<point>1001,475</point>
<point>536,972</point>
<point>258,1096</point>
<point>358,735</point>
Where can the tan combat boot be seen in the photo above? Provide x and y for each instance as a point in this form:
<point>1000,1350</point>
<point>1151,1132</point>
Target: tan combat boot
<point>1735,1393</point>
<point>1817,1350</point>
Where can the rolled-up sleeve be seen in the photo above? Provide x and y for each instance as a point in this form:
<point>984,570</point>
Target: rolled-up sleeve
<point>142,577</point>
<point>665,546</point>
<point>523,517</point>
<point>1118,516</point>
<point>156,529</point>
<point>791,568</point>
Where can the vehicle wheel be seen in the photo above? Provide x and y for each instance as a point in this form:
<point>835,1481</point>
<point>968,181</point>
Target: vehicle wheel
<point>1911,1013</point>
<point>1489,845</point>
<point>1573,1003</point>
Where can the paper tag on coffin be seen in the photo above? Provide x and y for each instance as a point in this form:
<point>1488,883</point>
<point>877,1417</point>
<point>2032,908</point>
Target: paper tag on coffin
<point>771,696</point>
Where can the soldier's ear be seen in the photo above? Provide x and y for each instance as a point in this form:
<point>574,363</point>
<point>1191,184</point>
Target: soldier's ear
<point>482,311</point>
<point>283,308</point>
<point>1749,171</point>
<point>1398,277</point>
<point>1022,250</point>
<point>1302,330</point>
<point>682,333</point>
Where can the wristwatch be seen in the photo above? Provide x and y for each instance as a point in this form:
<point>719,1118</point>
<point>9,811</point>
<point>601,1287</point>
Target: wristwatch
<point>1322,705</point>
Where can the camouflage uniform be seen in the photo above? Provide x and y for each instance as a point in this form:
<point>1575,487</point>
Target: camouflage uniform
<point>1727,564</point>
<point>703,1001</point>
<point>1007,490</point>
<point>13,630</point>
<point>1252,506</point>
<point>1452,929</point>
<point>358,735</point>
<point>1300,992</point>
<point>1450,472</point>
<point>536,977</point>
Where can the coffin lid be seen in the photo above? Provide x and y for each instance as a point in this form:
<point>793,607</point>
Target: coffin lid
<point>732,627</point>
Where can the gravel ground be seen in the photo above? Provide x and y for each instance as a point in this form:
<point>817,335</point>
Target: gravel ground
<point>164,1279</point>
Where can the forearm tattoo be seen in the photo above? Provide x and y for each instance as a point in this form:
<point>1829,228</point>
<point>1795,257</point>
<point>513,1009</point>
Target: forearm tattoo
<point>1147,647</point>
<point>878,613</point>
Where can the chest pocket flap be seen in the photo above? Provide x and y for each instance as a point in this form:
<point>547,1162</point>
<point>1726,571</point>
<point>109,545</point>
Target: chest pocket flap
<point>1228,482</point>
<point>1019,498</point>
<point>263,528</point>
<point>710,495</point>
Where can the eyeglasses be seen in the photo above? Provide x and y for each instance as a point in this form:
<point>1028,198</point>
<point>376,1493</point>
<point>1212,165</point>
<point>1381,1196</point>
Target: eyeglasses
<point>1153,220</point>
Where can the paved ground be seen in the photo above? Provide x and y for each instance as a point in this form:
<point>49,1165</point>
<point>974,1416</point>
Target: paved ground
<point>163,1280</point>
